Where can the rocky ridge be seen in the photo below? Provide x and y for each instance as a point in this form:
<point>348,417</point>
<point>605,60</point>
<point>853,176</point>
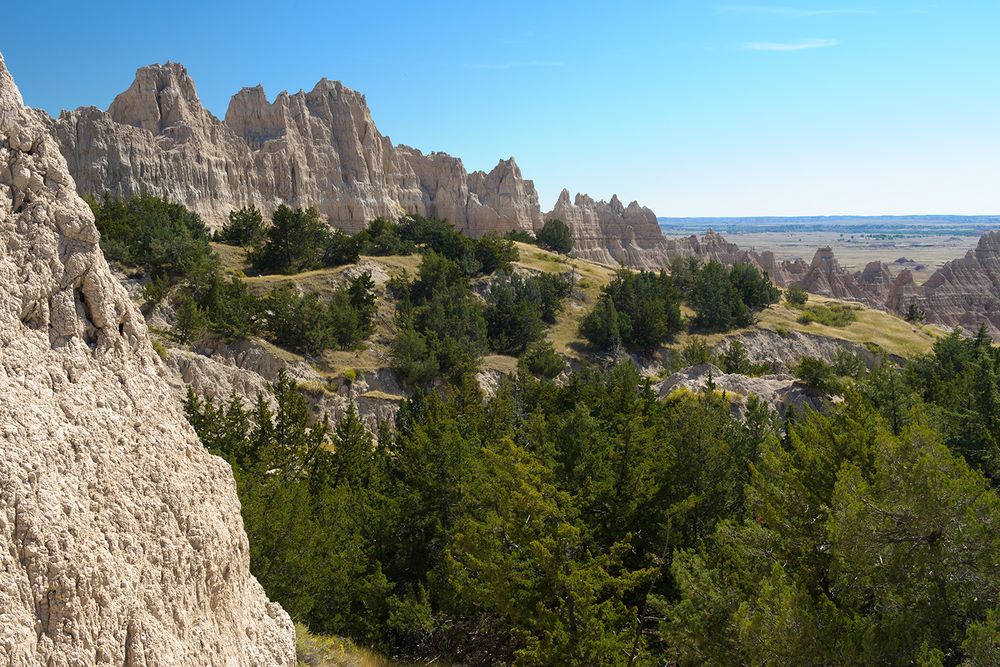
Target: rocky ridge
<point>319,148</point>
<point>964,293</point>
<point>120,535</point>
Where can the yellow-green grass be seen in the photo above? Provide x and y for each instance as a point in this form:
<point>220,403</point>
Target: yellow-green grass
<point>590,278</point>
<point>327,651</point>
<point>890,333</point>
<point>499,362</point>
<point>232,258</point>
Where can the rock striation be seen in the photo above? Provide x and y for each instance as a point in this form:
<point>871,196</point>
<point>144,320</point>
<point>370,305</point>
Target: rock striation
<point>609,232</point>
<point>964,293</point>
<point>120,535</point>
<point>319,148</point>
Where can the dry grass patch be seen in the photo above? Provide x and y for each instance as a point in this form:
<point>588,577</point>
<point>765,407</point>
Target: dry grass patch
<point>233,259</point>
<point>325,651</point>
<point>499,362</point>
<point>382,395</point>
<point>590,278</point>
<point>893,334</point>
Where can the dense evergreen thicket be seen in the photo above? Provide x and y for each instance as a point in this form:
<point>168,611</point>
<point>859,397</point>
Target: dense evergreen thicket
<point>556,236</point>
<point>297,240</point>
<point>641,310</point>
<point>245,228</point>
<point>164,240</point>
<point>593,524</point>
<point>518,309</point>
<point>170,245</point>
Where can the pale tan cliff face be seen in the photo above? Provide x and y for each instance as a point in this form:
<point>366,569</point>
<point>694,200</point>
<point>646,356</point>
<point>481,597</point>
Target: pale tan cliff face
<point>319,148</point>
<point>120,536</point>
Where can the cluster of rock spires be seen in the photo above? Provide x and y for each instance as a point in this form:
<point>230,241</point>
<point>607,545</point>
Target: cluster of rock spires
<point>121,540</point>
<point>318,149</point>
<point>322,149</point>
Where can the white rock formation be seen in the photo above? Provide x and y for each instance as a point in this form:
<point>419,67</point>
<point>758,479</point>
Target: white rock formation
<point>318,148</point>
<point>779,392</point>
<point>611,233</point>
<point>121,540</point>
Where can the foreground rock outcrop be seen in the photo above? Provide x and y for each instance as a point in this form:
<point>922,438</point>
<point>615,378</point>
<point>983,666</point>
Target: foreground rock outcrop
<point>319,148</point>
<point>779,392</point>
<point>120,536</point>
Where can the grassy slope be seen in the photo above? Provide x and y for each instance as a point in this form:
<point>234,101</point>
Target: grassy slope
<point>590,279</point>
<point>324,651</point>
<point>892,334</point>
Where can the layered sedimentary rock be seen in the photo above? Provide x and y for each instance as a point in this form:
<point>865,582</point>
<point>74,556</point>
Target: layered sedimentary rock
<point>964,292</point>
<point>609,232</point>
<point>319,148</point>
<point>827,277</point>
<point>120,535</point>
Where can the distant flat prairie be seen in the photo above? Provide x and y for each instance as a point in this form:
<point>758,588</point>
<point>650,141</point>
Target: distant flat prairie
<point>925,242</point>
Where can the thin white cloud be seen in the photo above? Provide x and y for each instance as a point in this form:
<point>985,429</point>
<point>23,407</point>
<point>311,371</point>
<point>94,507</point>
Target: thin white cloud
<point>794,12</point>
<point>792,46</point>
<point>514,64</point>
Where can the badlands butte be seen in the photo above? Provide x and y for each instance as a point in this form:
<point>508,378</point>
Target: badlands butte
<point>121,538</point>
<point>321,149</point>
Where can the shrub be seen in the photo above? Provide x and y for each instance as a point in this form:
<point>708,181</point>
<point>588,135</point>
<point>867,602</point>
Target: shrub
<point>513,317</point>
<point>341,249</point>
<point>848,364</point>
<point>244,228</point>
<point>382,238</point>
<point>233,311</point>
<point>717,303</point>
<point>556,236</point>
<point>304,323</point>
<point>816,374</point>
<point>754,287</point>
<point>494,253</point>
<point>442,327</point>
<point>834,315</point>
<point>192,321</point>
<point>542,360</point>
<point>521,236</point>
<point>602,326</point>
<point>160,349</point>
<point>915,314</point>
<point>154,289</point>
<point>696,351</point>
<point>518,309</point>
<point>413,360</point>
<point>166,241</point>
<point>795,296</point>
<point>296,241</point>
<point>638,310</point>
<point>736,360</point>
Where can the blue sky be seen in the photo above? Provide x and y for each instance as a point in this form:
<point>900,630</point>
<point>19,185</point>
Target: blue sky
<point>691,107</point>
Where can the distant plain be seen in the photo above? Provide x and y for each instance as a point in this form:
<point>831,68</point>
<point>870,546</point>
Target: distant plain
<point>925,242</point>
